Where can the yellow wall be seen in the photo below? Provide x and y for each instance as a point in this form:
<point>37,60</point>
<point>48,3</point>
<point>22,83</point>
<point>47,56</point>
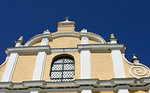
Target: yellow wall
<point>139,91</point>
<point>66,29</point>
<point>24,68</point>
<point>102,66</point>
<point>65,42</point>
<point>49,61</point>
<point>37,44</point>
<point>93,42</point>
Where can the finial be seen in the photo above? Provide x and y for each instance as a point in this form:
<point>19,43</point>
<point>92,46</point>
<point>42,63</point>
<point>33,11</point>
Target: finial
<point>67,18</point>
<point>135,60</point>
<point>46,32</point>
<point>21,38</point>
<point>134,56</point>
<point>19,42</point>
<point>112,36</point>
<point>84,30</point>
<point>112,39</point>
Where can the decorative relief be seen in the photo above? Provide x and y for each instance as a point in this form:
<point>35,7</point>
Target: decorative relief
<point>138,70</point>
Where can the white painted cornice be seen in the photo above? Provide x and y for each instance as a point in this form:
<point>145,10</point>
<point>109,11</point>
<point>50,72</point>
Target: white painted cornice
<point>77,85</point>
<point>28,50</point>
<point>102,47</point>
<point>94,48</point>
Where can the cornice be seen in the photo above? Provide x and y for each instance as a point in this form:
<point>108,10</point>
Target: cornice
<point>102,47</point>
<point>77,85</point>
<point>94,48</point>
<point>28,50</point>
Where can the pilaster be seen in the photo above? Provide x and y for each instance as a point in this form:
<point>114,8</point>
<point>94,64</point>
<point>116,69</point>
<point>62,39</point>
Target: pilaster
<point>118,64</point>
<point>117,59</point>
<point>34,92</point>
<point>86,91</point>
<point>41,58</point>
<point>10,67</point>
<point>85,58</point>
<point>123,91</point>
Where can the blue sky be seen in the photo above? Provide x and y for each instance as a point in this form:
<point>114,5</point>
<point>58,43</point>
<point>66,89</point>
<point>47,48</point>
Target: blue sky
<point>129,20</point>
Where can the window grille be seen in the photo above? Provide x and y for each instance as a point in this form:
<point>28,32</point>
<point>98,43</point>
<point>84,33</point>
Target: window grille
<point>62,69</point>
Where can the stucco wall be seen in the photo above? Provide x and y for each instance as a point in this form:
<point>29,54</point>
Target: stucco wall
<point>24,68</point>
<point>139,91</point>
<point>65,42</point>
<point>102,66</point>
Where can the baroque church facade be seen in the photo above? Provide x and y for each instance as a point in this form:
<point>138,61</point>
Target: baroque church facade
<point>67,61</point>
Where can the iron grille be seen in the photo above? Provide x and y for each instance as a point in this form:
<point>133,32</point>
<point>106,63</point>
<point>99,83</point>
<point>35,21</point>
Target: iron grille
<point>62,69</point>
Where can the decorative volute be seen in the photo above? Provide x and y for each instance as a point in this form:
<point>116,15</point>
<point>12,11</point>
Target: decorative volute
<point>66,26</point>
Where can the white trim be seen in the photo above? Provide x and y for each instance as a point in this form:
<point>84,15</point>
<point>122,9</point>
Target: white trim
<point>86,91</point>
<point>77,85</point>
<point>44,41</point>
<point>8,73</point>
<point>34,92</point>
<point>40,62</point>
<point>39,37</point>
<point>85,60</point>
<point>118,64</point>
<point>123,91</point>
<point>39,67</point>
<point>149,91</point>
<point>18,44</point>
<point>113,42</point>
<point>84,40</point>
<point>85,64</point>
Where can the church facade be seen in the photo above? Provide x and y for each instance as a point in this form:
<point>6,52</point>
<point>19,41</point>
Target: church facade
<point>67,61</point>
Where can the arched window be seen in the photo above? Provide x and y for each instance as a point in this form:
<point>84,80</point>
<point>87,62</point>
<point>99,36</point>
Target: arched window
<point>62,68</point>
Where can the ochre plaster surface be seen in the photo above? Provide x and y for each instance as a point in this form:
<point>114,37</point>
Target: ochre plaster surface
<point>65,42</point>
<point>93,42</point>
<point>49,61</point>
<point>24,68</point>
<point>37,44</point>
<point>102,66</point>
<point>66,29</point>
<point>139,91</point>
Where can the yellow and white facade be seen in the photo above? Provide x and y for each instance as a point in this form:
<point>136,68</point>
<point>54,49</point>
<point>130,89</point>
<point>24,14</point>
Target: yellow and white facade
<point>43,65</point>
